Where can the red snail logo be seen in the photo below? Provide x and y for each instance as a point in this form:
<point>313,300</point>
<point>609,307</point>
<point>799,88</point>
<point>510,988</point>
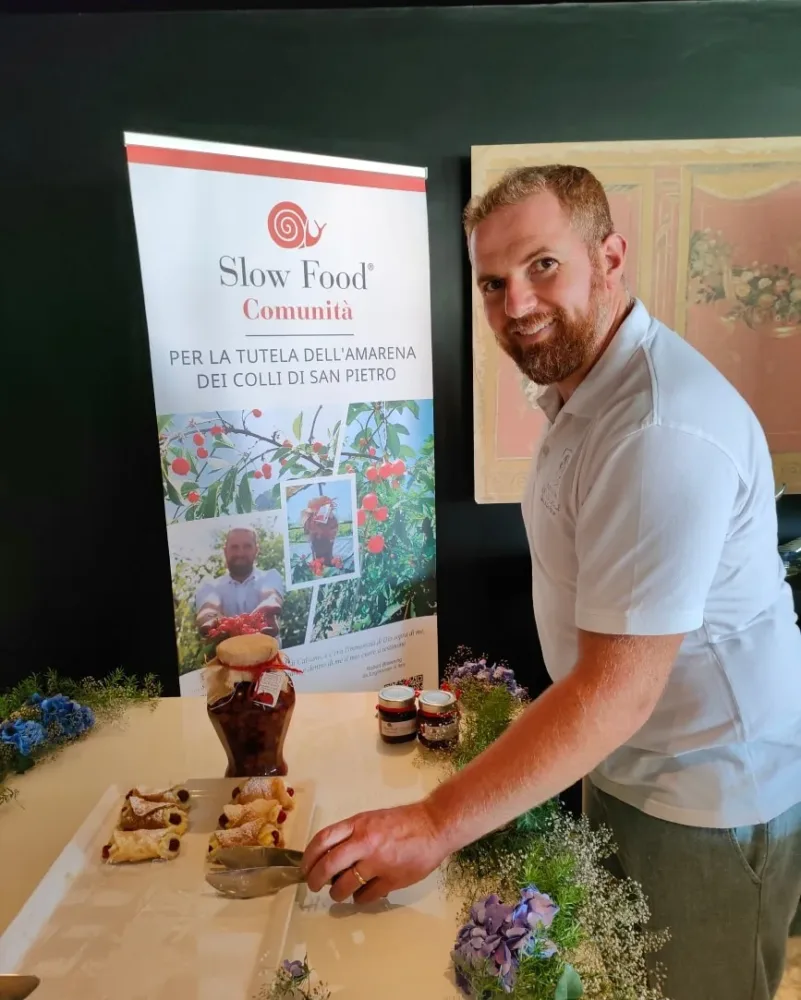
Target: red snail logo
<point>289,228</point>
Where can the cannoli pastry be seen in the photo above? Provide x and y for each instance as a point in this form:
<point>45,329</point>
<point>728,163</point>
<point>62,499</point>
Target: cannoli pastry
<point>266,810</point>
<point>257,833</point>
<point>139,814</point>
<point>141,845</point>
<point>177,795</point>
<point>264,788</point>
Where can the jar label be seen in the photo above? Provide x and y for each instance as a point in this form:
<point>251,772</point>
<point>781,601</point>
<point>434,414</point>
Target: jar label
<point>397,728</point>
<point>269,687</point>
<point>439,734</point>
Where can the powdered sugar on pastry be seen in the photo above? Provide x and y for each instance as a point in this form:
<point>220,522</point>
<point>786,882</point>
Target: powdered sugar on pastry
<point>267,810</point>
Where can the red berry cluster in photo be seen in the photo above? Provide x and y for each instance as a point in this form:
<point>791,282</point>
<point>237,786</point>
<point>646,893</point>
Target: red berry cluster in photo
<point>238,625</point>
<point>372,509</point>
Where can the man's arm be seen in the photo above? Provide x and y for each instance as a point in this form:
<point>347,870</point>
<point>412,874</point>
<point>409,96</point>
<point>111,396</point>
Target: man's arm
<point>560,738</point>
<point>654,514</point>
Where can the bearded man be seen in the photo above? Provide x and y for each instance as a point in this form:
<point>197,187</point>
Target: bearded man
<point>666,622</point>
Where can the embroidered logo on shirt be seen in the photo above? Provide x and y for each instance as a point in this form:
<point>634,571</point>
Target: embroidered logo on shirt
<point>549,495</point>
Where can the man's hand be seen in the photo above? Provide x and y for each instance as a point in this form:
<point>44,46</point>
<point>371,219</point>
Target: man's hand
<point>389,848</point>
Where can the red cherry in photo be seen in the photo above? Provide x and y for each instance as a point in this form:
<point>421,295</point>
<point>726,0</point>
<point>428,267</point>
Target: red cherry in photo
<point>361,517</point>
<point>198,438</point>
<point>286,443</point>
<point>375,544</point>
<point>267,470</point>
<point>256,413</point>
<point>193,497</point>
<point>202,453</point>
<point>381,513</point>
<point>258,474</point>
<point>180,467</point>
<point>399,468</point>
<point>386,470</point>
<point>317,446</point>
<point>372,473</point>
<point>370,501</point>
<point>371,452</point>
<point>216,430</point>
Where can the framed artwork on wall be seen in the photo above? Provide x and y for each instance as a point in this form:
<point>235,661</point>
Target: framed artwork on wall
<point>714,251</point>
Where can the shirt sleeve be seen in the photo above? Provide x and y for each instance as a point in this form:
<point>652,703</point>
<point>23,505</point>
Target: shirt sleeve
<point>650,533</point>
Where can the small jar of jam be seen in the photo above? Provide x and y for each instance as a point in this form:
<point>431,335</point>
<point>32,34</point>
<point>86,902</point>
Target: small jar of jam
<point>397,714</point>
<point>438,720</point>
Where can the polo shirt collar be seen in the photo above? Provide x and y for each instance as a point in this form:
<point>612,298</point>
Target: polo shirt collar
<point>602,378</point>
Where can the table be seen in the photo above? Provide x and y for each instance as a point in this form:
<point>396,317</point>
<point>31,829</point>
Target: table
<point>333,739</point>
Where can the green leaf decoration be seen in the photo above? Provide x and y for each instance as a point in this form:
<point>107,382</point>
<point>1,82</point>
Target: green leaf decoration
<point>208,507</point>
<point>244,498</point>
<point>227,489</point>
<point>297,426</point>
<point>393,441</point>
<point>173,494</point>
<point>569,986</point>
<point>164,422</point>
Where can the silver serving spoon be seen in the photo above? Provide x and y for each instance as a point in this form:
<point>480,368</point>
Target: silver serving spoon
<point>255,871</point>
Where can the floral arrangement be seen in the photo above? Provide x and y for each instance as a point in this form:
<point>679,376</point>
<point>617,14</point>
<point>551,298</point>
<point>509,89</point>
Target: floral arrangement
<point>41,715</point>
<point>543,918</point>
<point>295,981</point>
<point>760,293</point>
<point>477,669</point>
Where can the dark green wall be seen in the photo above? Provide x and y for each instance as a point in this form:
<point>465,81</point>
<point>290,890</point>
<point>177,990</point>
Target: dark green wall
<point>85,563</point>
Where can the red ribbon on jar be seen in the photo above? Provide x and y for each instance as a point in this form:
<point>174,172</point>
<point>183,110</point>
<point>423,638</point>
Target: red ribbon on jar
<point>267,681</point>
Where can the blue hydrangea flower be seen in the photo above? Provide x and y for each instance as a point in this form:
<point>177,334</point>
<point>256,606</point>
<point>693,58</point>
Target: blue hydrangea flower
<point>66,717</point>
<point>24,736</point>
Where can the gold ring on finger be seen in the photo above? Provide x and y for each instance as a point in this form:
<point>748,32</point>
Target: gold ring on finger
<point>362,882</point>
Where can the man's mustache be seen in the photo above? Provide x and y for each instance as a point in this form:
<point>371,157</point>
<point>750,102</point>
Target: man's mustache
<point>529,324</point>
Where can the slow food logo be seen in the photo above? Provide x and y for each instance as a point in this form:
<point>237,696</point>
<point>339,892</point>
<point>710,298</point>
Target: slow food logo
<point>289,227</point>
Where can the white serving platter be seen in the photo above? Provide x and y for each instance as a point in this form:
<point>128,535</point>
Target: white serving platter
<point>154,930</point>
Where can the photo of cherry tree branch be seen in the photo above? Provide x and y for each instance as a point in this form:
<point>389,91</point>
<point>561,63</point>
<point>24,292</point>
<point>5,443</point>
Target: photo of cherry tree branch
<point>229,462</point>
<point>388,448</point>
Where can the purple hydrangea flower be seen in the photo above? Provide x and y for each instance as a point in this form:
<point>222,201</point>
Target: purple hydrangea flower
<point>296,969</point>
<point>497,937</point>
<point>498,675</point>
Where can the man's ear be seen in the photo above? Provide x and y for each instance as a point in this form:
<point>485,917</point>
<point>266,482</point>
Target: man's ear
<point>613,256</point>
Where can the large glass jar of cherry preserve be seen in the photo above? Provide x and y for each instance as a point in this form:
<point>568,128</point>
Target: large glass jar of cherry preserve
<point>250,699</point>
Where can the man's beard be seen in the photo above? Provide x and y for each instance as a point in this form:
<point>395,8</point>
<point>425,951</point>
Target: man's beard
<point>240,568</point>
<point>565,350</point>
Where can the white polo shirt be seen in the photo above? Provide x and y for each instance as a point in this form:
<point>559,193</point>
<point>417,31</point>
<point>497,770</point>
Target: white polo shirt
<point>240,597</point>
<point>650,511</point>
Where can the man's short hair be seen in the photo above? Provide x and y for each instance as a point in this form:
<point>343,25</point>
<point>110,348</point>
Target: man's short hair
<point>250,531</point>
<point>579,192</point>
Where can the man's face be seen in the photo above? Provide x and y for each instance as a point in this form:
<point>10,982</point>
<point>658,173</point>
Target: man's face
<point>240,552</point>
<point>544,295</point>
